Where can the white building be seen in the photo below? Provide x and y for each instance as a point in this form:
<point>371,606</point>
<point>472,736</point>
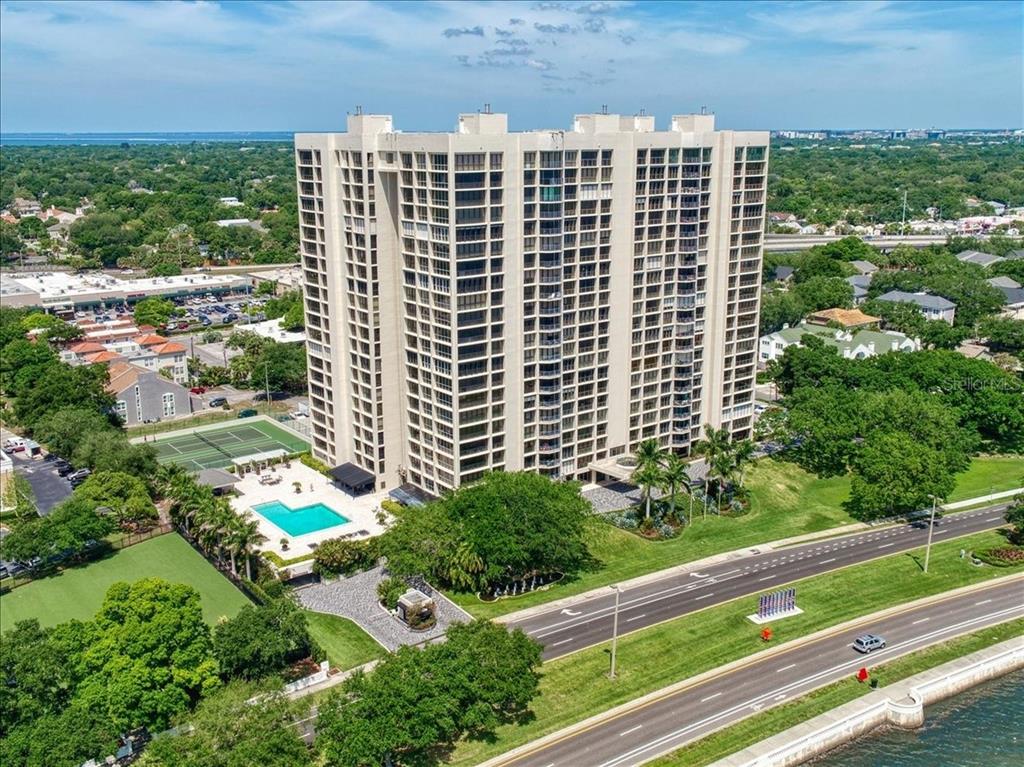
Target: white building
<point>547,300</point>
<point>852,344</point>
<point>932,307</point>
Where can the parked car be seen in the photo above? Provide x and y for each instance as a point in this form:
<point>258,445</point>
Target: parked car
<point>868,643</point>
<point>14,445</point>
<point>63,467</point>
<point>78,477</point>
<point>247,413</point>
<point>218,401</point>
<point>198,390</point>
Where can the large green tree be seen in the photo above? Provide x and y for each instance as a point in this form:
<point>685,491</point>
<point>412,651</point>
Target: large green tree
<point>895,474</point>
<point>262,640</point>
<point>417,703</point>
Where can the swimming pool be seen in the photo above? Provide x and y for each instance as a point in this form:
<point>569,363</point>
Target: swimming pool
<point>300,521</point>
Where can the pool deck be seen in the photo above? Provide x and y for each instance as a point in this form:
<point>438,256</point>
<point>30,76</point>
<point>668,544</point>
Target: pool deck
<point>316,488</point>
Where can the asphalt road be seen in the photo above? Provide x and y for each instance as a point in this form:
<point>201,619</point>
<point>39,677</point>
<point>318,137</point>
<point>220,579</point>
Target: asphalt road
<point>668,722</point>
<point>588,622</point>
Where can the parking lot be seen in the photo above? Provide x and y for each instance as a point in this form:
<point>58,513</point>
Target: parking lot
<point>49,488</point>
<point>199,313</point>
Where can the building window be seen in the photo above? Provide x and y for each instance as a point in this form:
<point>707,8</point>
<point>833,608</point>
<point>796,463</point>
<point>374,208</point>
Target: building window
<point>121,408</point>
<point>168,400</point>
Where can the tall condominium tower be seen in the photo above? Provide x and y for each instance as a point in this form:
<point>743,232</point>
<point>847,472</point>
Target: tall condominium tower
<point>485,300</point>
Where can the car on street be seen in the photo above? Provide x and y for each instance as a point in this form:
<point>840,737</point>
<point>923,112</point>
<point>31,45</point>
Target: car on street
<point>868,643</point>
<point>247,413</point>
<point>218,401</point>
<point>14,445</point>
<point>198,390</point>
<point>63,467</point>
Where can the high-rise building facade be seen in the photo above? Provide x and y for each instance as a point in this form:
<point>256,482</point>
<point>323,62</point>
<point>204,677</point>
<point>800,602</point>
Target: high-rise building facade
<point>485,300</point>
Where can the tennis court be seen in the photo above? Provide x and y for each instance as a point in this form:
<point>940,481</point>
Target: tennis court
<point>221,447</point>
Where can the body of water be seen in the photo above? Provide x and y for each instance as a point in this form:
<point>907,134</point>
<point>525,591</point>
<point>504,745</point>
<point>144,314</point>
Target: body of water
<point>141,138</point>
<point>983,727</point>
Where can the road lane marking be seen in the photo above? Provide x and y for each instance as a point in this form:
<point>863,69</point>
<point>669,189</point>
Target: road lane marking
<point>785,668</point>
<point>993,519</point>
<point>562,642</point>
<point>826,561</point>
<point>631,729</point>
<point>982,602</point>
<point>779,697</point>
<point>767,578</point>
<point>885,545</point>
<point>703,596</point>
<point>922,620</point>
<point>636,617</point>
<point>710,697</point>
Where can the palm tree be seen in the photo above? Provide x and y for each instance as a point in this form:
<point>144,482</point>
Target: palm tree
<point>715,444</point>
<point>723,468</point>
<point>462,566</point>
<point>676,477</point>
<point>650,456</point>
<point>242,536</point>
<point>743,452</point>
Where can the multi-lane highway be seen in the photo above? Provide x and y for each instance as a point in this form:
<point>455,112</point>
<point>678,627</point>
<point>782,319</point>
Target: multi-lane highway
<point>587,622</point>
<point>663,723</point>
<point>784,243</point>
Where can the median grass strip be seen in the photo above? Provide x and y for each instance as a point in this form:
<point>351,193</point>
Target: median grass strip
<point>785,501</point>
<point>346,645</point>
<point>755,729</point>
<point>577,686</point>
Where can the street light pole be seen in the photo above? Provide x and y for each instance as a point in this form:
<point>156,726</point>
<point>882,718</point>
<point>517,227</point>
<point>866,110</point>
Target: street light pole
<point>931,527</point>
<point>615,631</point>
<point>266,384</point>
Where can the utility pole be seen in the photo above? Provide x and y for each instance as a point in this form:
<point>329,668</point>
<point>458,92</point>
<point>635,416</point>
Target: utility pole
<point>931,526</point>
<point>615,630</point>
<point>903,224</point>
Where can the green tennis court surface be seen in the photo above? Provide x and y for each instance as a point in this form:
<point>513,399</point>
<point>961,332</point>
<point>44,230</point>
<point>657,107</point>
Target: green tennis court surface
<point>219,448</point>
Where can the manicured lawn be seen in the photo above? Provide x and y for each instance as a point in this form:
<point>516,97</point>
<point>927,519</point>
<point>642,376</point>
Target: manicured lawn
<point>786,501</point>
<point>577,686</point>
<point>78,592</point>
<point>755,729</point>
<point>989,474</point>
<point>346,645</point>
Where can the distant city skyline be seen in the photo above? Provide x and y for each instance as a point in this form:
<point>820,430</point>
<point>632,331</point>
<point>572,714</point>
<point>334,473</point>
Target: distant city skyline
<point>300,66</point>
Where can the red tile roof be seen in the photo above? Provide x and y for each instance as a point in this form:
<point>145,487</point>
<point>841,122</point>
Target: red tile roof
<point>104,356</point>
<point>168,348</point>
<point>149,339</point>
<point>86,347</point>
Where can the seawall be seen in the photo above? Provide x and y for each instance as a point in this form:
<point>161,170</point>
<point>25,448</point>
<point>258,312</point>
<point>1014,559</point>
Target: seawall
<point>901,704</point>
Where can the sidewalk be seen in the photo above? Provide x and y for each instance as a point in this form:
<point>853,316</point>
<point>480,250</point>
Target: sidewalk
<point>729,556</point>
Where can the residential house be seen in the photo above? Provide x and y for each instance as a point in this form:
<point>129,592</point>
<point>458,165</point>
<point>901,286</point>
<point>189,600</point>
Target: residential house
<point>932,307</point>
<point>1003,282</point>
<point>848,319</point>
<point>142,396</point>
<point>860,283</point>
<point>148,350</point>
<point>858,344</point>
<point>979,258</point>
<point>783,273</point>
<point>23,207</point>
<point>1013,305</point>
<point>864,267</point>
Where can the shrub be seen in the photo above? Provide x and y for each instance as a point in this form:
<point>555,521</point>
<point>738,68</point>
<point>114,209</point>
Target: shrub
<point>1002,556</point>
<point>390,590</point>
<point>391,507</point>
<point>336,556</point>
<point>316,465</point>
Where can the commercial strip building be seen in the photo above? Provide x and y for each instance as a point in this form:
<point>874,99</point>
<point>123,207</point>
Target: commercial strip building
<point>546,300</point>
<point>66,291</point>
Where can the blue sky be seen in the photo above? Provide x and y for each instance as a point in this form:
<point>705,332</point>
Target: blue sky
<point>137,66</point>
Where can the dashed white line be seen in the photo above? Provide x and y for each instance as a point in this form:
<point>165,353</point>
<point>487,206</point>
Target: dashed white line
<point>710,697</point>
<point>993,519</point>
<point>983,602</point>
<point>885,545</point>
<point>766,578</point>
<point>631,729</point>
<point>703,596</point>
<point>920,620</point>
<point>785,668</point>
<point>562,642</point>
<point>636,618</point>
<point>826,561</point>
<point>780,697</point>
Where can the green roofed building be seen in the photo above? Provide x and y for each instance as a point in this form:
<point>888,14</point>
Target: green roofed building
<point>853,344</point>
